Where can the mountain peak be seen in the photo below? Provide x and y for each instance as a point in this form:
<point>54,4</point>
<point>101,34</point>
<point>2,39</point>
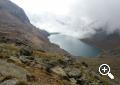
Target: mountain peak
<point>14,10</point>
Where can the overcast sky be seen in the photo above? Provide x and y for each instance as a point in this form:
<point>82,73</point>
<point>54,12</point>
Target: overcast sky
<point>72,17</point>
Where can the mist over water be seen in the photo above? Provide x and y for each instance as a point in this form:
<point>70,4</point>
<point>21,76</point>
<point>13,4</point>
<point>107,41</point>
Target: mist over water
<point>77,18</point>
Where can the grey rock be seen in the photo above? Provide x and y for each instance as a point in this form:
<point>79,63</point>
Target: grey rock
<point>73,81</point>
<point>73,72</point>
<point>58,70</point>
<point>9,69</point>
<point>9,82</point>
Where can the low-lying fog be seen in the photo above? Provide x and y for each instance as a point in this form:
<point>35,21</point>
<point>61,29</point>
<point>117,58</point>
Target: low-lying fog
<point>78,18</point>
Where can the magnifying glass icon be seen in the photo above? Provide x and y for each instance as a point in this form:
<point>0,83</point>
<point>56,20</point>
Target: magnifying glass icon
<point>104,69</point>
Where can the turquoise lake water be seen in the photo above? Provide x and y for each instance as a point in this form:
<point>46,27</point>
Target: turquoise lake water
<point>74,46</point>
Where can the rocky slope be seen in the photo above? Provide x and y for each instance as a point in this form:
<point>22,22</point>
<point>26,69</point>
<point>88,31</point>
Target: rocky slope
<point>15,27</point>
<point>28,58</point>
<point>22,66</point>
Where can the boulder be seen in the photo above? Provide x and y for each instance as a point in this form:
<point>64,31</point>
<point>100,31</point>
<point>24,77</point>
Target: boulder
<point>73,81</point>
<point>58,70</point>
<point>9,82</point>
<point>73,72</point>
<point>10,69</point>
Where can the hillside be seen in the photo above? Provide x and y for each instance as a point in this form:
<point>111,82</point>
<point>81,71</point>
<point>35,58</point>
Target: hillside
<point>28,58</point>
<point>103,40</point>
<point>15,27</point>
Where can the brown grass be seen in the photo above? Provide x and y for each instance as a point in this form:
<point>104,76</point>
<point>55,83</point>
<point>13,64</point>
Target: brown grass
<point>113,62</point>
<point>47,55</point>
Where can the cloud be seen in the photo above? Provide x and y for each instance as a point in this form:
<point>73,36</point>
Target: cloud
<point>102,11</point>
<point>76,18</point>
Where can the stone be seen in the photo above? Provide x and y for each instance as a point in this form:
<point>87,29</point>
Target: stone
<point>73,81</point>
<point>58,70</point>
<point>38,66</point>
<point>73,72</point>
<point>27,61</point>
<point>14,59</point>
<point>10,69</point>
<point>9,82</point>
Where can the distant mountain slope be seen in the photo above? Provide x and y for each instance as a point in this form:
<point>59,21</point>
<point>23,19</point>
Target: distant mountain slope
<point>15,27</point>
<point>103,40</point>
<point>14,10</point>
